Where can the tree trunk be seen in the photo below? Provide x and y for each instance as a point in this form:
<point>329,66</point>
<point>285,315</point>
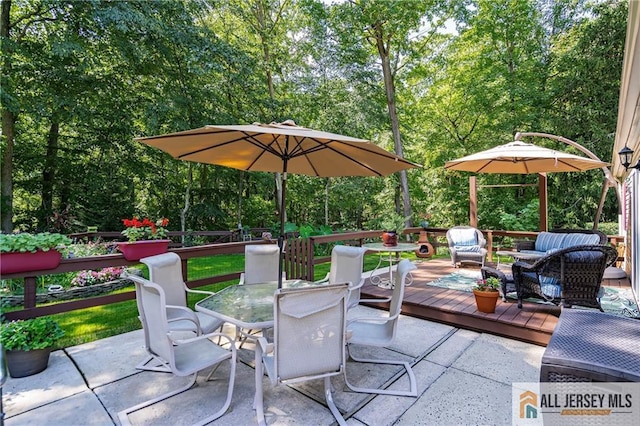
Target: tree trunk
<point>387,75</point>
<point>49,174</point>
<point>8,129</point>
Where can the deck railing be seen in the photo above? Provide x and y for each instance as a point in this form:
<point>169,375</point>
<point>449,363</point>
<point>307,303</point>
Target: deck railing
<point>300,262</point>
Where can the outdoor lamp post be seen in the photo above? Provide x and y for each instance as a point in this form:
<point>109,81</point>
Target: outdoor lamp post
<point>625,158</point>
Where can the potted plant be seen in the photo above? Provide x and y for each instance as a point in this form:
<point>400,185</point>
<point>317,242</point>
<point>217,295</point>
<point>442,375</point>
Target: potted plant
<point>145,238</point>
<point>391,226</point>
<point>486,294</point>
<point>31,252</point>
<point>28,344</point>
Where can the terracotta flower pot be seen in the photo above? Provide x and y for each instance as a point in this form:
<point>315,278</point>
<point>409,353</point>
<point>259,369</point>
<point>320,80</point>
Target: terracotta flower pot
<point>136,250</point>
<point>389,239</point>
<point>486,300</point>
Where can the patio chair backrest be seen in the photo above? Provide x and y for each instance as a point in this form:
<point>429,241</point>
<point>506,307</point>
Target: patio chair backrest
<point>465,236</point>
<point>261,263</point>
<point>346,267</point>
<point>395,306</point>
<point>165,270</point>
<point>309,332</point>
<point>153,314</point>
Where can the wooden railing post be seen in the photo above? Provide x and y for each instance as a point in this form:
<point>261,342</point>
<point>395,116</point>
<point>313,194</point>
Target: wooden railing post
<point>29,292</point>
<point>490,245</point>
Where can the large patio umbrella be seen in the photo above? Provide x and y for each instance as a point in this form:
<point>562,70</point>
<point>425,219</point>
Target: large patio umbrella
<point>280,147</point>
<point>522,158</point>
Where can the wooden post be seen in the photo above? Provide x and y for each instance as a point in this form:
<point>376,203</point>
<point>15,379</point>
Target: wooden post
<point>542,195</point>
<point>473,202</point>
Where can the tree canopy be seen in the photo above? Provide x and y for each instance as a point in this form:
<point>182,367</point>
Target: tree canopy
<point>432,80</point>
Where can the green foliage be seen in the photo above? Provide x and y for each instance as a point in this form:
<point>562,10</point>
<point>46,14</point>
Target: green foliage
<point>24,242</point>
<point>88,77</point>
<point>526,219</point>
<point>31,334</point>
<point>393,222</point>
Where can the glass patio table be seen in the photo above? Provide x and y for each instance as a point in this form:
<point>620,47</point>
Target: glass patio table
<point>249,306</point>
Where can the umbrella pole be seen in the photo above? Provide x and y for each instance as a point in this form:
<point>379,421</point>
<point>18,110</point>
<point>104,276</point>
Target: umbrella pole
<point>281,237</point>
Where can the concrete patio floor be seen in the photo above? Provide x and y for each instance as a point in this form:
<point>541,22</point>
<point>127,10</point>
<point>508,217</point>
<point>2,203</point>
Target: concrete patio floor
<point>464,378</point>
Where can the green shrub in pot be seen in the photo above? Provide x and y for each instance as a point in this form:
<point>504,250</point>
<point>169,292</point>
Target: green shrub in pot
<point>28,344</point>
<point>30,334</point>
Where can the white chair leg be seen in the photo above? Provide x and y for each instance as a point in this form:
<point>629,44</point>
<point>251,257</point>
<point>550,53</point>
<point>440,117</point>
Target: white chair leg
<point>123,415</point>
<point>258,399</point>
<point>413,387</point>
<point>330,403</point>
<point>158,365</point>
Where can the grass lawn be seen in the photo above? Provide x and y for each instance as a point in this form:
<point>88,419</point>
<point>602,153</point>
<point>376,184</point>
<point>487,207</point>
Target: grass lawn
<point>86,325</point>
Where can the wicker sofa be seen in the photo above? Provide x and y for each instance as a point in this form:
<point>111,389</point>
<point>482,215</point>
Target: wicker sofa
<point>549,241</point>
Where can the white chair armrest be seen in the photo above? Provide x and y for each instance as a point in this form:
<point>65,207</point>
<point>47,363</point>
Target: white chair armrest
<point>379,300</point>
<point>325,279</point>
<point>208,293</point>
<point>209,336</point>
<point>266,347</point>
<point>372,320</point>
<point>180,313</point>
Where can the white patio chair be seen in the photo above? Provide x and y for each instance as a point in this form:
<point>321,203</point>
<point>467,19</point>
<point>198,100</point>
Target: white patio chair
<point>165,270</point>
<point>380,332</point>
<point>346,267</point>
<point>308,341</point>
<point>260,264</point>
<point>182,357</point>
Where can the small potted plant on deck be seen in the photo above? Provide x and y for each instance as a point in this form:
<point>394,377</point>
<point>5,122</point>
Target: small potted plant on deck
<point>486,294</point>
<point>145,238</point>
<point>31,252</point>
<point>28,344</point>
<point>391,226</point>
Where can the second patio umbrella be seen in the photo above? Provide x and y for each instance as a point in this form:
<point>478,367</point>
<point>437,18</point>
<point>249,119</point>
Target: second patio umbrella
<point>522,158</point>
<point>280,147</point>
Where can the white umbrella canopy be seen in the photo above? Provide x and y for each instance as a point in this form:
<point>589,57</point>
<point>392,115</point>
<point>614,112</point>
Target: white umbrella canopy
<point>280,147</point>
<point>522,158</point>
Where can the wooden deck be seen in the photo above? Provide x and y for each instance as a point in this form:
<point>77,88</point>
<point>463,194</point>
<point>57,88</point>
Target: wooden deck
<point>534,323</point>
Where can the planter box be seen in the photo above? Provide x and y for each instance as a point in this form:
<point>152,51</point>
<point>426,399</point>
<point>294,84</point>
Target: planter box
<point>14,262</point>
<point>138,249</point>
<point>27,363</point>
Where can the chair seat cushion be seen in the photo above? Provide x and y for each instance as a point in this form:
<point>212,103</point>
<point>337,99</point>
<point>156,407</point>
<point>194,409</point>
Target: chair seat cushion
<point>474,248</point>
<point>552,291</point>
<point>550,286</point>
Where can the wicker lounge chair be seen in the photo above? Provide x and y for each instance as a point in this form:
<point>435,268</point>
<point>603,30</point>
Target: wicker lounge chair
<point>571,276</point>
<point>466,244</point>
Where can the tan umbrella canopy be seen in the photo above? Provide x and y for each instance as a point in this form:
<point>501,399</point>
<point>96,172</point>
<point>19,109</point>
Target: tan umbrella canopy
<point>522,158</point>
<point>280,147</point>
